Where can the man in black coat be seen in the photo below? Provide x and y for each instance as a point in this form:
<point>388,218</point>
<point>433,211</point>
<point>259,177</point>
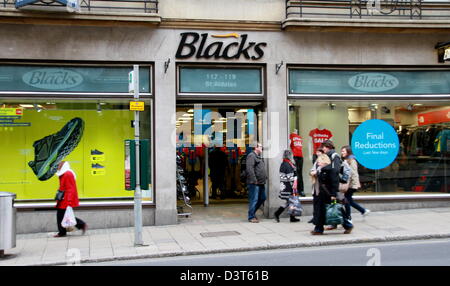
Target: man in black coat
<point>218,163</point>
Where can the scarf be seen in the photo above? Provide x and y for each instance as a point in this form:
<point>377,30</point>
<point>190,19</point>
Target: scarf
<point>290,162</point>
<point>65,168</point>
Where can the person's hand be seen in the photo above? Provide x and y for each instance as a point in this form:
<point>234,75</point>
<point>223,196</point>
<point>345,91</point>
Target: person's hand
<point>333,198</point>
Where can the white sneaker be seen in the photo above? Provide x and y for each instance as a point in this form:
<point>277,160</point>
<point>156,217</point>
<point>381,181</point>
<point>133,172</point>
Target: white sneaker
<point>366,212</point>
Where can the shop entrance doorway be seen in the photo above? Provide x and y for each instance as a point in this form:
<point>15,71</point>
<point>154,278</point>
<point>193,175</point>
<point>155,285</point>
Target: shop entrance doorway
<point>213,140</point>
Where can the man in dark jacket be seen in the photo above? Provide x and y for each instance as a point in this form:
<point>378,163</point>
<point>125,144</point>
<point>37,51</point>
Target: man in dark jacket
<point>218,163</point>
<point>336,162</point>
<point>256,179</point>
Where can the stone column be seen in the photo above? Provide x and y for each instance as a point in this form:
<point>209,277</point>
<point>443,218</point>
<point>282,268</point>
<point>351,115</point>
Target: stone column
<point>165,149</point>
<point>276,132</point>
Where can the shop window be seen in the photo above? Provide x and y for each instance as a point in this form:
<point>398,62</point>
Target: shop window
<point>94,146</point>
<point>423,129</point>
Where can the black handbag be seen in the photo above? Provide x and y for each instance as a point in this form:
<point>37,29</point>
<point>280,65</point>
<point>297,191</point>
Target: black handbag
<point>59,195</point>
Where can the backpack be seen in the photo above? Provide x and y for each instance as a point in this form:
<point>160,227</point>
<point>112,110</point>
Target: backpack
<point>344,170</point>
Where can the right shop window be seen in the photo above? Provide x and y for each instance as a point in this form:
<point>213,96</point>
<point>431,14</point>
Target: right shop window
<point>420,164</point>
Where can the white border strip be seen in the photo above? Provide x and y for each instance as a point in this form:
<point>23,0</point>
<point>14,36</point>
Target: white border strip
<point>305,199</point>
<point>393,197</point>
<point>82,204</point>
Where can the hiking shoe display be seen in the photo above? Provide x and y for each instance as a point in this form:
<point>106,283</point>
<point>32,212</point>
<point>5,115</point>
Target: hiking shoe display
<point>97,166</point>
<point>51,150</point>
<point>96,152</point>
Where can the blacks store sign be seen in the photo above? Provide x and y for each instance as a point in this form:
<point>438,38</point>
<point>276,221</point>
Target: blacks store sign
<point>199,45</point>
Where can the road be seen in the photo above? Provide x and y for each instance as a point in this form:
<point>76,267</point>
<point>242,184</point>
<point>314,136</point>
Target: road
<point>405,253</point>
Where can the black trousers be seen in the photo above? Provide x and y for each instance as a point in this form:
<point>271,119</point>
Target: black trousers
<point>59,217</point>
<point>299,166</point>
<point>218,182</point>
<point>319,210</point>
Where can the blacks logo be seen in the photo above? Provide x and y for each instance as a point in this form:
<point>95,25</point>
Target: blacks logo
<point>195,44</point>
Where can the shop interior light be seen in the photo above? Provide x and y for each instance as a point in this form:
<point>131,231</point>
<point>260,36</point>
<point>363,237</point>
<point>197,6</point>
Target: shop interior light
<point>27,105</point>
<point>190,110</point>
<point>373,107</point>
<point>242,110</point>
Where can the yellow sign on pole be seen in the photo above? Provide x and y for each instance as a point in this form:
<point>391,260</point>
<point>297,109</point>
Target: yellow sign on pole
<point>11,112</point>
<point>137,105</point>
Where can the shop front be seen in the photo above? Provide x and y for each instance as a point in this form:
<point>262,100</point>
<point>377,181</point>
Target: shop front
<point>214,89</point>
<point>219,109</point>
<point>71,112</point>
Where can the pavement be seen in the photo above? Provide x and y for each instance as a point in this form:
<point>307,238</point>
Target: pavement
<point>221,229</point>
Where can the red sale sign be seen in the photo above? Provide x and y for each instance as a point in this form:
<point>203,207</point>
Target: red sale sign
<point>433,117</point>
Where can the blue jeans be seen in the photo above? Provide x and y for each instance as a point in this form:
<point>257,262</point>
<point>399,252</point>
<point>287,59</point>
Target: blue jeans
<point>256,197</point>
<point>352,203</point>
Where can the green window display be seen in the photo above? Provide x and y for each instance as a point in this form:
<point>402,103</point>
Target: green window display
<point>88,134</point>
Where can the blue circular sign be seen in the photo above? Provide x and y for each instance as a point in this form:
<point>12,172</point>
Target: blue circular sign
<point>375,144</point>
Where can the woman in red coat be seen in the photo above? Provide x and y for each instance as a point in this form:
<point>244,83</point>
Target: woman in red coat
<point>68,185</point>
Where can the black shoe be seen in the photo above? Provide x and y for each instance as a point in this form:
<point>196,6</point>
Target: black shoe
<point>51,150</point>
<point>277,217</point>
<point>316,232</point>
<point>84,229</point>
<point>302,194</point>
<point>311,221</point>
<point>277,213</point>
<point>59,235</point>
<point>294,219</point>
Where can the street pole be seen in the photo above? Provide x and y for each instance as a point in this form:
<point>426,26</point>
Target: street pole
<point>137,193</point>
<point>205,179</point>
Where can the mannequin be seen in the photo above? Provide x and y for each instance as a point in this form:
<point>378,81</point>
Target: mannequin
<point>318,136</point>
<point>296,144</point>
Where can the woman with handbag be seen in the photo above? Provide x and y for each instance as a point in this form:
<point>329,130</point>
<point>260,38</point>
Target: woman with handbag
<point>288,184</point>
<point>353,183</point>
<point>68,198</point>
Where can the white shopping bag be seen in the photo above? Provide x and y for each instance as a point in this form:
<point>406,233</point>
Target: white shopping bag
<point>69,220</point>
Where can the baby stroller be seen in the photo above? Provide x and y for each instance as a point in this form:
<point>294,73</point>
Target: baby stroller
<point>183,198</point>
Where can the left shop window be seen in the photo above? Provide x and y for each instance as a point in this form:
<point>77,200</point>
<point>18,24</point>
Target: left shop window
<point>88,134</point>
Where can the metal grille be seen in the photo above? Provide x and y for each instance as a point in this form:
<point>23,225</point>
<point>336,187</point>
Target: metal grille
<point>130,6</point>
<point>369,9</point>
<point>219,233</point>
